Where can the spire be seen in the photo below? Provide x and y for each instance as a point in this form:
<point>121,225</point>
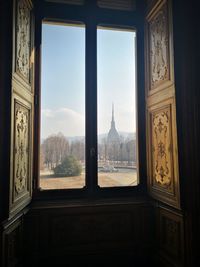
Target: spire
<point>113,112</point>
<point>113,120</point>
<point>113,135</point>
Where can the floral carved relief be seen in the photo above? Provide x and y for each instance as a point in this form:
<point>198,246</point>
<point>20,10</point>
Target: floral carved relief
<point>21,150</point>
<point>159,47</point>
<point>162,148</point>
<point>23,48</point>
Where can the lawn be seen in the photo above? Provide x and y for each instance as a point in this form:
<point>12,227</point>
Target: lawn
<point>49,181</point>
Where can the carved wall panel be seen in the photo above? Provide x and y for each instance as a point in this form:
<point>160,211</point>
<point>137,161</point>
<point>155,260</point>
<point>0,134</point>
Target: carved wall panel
<point>158,48</point>
<point>22,152</point>
<point>162,153</point>
<point>23,40</point>
<point>21,148</point>
<point>163,173</point>
<point>22,105</point>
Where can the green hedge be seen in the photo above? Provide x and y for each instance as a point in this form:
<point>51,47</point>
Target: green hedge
<point>69,167</point>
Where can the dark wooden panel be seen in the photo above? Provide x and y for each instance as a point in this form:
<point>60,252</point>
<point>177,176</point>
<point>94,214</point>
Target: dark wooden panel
<point>71,2</point>
<point>186,61</point>
<point>65,230</point>
<point>12,243</point>
<point>170,237</point>
<point>117,4</point>
<point>90,233</point>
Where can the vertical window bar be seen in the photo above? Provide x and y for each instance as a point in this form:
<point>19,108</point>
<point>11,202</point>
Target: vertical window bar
<point>91,106</point>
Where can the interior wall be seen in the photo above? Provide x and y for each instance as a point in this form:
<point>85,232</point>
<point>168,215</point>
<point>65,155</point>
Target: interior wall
<point>186,56</point>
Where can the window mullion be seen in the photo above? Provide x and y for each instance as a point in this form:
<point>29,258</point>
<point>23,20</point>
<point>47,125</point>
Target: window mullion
<point>91,106</point>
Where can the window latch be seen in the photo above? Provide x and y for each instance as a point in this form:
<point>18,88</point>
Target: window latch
<point>92,152</point>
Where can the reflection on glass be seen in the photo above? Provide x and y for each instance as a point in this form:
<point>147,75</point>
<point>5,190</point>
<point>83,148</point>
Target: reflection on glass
<point>117,159</point>
<point>62,150</point>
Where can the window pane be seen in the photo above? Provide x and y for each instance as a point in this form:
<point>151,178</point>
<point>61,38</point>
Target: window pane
<point>62,150</point>
<point>117,157</point>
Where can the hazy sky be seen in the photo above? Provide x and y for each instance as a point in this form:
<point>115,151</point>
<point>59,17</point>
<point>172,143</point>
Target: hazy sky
<point>63,80</point>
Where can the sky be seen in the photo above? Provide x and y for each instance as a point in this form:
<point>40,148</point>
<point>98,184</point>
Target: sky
<point>63,80</point>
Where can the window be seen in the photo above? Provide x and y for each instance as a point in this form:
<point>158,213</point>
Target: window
<point>62,149</point>
<point>117,153</point>
<point>88,101</point>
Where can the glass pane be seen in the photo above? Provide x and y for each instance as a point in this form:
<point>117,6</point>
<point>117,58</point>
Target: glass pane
<point>62,150</point>
<point>117,157</point>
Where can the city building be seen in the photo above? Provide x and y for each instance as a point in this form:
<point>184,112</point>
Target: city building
<point>113,136</point>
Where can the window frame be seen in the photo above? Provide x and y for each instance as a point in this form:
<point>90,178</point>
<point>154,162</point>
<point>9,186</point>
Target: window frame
<point>92,17</point>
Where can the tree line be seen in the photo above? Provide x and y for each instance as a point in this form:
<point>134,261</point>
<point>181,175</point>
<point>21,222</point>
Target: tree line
<point>55,148</point>
<point>122,151</point>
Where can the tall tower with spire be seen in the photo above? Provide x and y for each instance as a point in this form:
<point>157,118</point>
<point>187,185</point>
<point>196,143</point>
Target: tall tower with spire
<point>113,136</point>
<point>113,120</point>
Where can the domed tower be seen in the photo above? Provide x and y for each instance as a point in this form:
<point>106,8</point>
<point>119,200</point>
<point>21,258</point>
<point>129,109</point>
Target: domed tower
<point>113,136</point>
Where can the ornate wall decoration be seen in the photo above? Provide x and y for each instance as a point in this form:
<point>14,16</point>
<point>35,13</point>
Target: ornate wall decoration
<point>23,39</point>
<point>162,148</point>
<point>21,149</point>
<point>159,48</point>
<point>163,170</point>
<point>22,103</point>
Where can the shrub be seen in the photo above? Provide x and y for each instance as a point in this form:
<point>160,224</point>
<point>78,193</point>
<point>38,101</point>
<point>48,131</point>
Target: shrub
<point>69,167</point>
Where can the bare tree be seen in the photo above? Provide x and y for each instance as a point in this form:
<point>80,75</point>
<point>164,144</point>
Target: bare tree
<point>77,149</point>
<point>55,148</point>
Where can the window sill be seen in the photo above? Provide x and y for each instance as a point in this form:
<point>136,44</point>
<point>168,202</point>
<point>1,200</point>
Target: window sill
<point>89,202</point>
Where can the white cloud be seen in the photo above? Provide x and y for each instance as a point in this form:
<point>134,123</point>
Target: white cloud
<point>48,113</point>
<point>65,120</point>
